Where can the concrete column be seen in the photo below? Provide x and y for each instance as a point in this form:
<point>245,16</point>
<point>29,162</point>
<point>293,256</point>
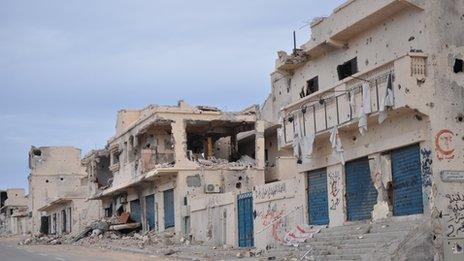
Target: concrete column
<point>180,142</point>
<point>259,145</point>
<point>336,195</point>
<point>380,168</point>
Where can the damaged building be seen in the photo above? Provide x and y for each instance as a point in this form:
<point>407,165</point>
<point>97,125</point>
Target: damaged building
<point>58,190</point>
<point>371,111</point>
<point>166,165</point>
<point>14,212</point>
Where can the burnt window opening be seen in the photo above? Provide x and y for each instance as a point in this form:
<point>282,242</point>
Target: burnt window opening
<point>347,69</point>
<point>458,66</point>
<point>312,86</point>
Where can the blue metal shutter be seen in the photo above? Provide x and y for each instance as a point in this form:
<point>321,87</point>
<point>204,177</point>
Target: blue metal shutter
<point>361,195</point>
<point>135,210</point>
<point>150,207</point>
<point>407,181</point>
<point>245,220</point>
<point>168,199</point>
<point>318,205</point>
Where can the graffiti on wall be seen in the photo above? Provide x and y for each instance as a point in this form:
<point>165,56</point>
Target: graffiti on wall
<point>444,145</point>
<point>334,189</point>
<point>455,214</point>
<point>426,167</point>
<point>273,217</point>
<point>270,191</point>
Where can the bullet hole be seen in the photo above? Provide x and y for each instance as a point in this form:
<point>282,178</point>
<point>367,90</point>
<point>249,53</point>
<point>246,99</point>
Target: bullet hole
<point>420,82</point>
<point>399,86</point>
<point>412,38</point>
<point>290,119</point>
<point>418,117</point>
<point>458,66</point>
<point>61,179</point>
<point>238,185</point>
<point>240,178</point>
<point>367,62</point>
<point>46,181</point>
<point>299,161</point>
<point>430,104</point>
<point>355,138</point>
<point>460,118</point>
<point>406,90</point>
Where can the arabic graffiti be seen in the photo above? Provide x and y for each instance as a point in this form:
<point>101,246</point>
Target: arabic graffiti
<point>269,192</point>
<point>455,214</point>
<point>334,186</point>
<point>426,167</point>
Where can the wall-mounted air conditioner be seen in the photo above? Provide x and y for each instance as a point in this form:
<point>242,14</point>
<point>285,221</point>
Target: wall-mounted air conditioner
<point>213,188</point>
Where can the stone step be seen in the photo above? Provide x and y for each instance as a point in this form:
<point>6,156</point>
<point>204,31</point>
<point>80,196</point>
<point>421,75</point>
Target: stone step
<point>374,236</point>
<point>332,257</point>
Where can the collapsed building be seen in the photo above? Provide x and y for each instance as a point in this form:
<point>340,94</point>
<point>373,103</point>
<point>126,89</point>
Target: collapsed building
<point>166,164</point>
<point>371,108</point>
<point>58,190</point>
<point>14,212</point>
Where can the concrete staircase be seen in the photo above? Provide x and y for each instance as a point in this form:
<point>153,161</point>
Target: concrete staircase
<point>355,241</point>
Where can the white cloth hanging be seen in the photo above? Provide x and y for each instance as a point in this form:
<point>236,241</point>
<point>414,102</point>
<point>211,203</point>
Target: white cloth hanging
<point>308,144</point>
<point>352,101</point>
<point>337,144</point>
<point>388,101</point>
<point>365,108</point>
<point>297,137</point>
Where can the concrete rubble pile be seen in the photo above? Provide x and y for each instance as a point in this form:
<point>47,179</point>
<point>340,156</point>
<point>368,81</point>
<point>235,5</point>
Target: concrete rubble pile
<point>244,162</point>
<point>43,240</point>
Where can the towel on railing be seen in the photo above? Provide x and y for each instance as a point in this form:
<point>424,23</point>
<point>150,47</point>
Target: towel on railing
<point>388,101</point>
<point>337,144</point>
<point>365,108</point>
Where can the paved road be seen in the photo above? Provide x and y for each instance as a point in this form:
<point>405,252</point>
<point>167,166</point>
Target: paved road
<point>11,251</point>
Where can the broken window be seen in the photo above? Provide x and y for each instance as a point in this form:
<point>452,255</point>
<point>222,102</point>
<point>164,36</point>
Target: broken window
<point>458,66</point>
<point>347,69</point>
<point>312,85</point>
<point>157,146</point>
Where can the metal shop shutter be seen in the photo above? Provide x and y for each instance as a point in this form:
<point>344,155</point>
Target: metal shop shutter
<point>150,207</point>
<point>135,210</point>
<point>245,220</point>
<point>168,200</point>
<point>318,205</point>
<point>361,195</point>
<point>407,181</point>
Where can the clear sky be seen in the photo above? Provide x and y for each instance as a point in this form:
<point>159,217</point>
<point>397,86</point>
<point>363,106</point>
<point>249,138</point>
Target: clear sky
<point>67,67</point>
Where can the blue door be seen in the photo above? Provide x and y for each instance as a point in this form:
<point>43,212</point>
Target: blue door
<point>150,207</point>
<point>245,220</point>
<point>407,181</point>
<point>318,205</point>
<point>135,210</point>
<point>168,200</point>
<point>361,195</point>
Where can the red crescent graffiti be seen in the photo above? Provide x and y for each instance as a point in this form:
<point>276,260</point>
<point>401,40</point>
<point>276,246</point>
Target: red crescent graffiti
<point>444,152</point>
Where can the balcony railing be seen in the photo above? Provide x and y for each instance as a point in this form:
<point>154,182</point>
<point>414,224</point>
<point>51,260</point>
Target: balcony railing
<point>321,112</point>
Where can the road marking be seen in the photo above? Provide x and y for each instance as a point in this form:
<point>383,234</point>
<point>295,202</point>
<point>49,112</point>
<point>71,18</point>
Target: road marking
<point>60,258</point>
<point>43,254</point>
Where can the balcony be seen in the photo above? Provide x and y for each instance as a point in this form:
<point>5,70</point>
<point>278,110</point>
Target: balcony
<point>351,19</point>
<point>320,112</point>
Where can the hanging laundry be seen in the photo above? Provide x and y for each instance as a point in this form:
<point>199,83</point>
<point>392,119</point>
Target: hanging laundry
<point>308,144</point>
<point>352,101</point>
<point>297,138</point>
<point>388,100</point>
<point>337,144</point>
<point>365,108</point>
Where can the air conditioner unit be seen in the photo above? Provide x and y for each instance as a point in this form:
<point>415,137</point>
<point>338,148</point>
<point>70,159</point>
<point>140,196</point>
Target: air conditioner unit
<point>213,188</point>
